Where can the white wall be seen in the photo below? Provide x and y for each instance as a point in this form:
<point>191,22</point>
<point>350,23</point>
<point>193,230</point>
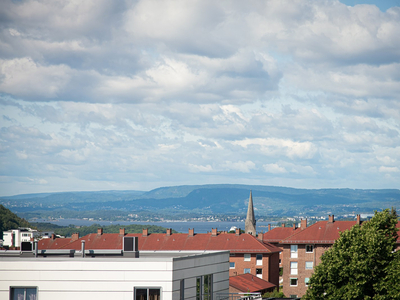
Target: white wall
<point>18,236</point>
<point>111,278</point>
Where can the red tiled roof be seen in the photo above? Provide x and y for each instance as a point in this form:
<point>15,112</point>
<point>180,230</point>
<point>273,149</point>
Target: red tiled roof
<point>323,232</point>
<point>279,233</point>
<point>249,283</point>
<point>54,244</point>
<point>243,243</point>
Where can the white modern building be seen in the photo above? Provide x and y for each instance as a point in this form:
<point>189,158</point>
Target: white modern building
<point>14,237</point>
<point>105,275</point>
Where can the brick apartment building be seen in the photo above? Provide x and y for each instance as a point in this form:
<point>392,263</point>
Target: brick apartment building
<point>302,251</point>
<point>278,234</point>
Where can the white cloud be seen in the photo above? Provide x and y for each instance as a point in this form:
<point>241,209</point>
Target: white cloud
<point>275,146</point>
<point>101,94</point>
<point>384,169</point>
<point>274,168</point>
<point>196,168</point>
<point>241,166</point>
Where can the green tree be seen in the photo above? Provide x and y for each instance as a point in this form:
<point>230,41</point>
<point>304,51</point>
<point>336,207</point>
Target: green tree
<point>361,264</point>
<point>9,220</point>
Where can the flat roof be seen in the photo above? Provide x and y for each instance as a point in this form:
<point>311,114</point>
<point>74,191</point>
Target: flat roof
<point>12,255</point>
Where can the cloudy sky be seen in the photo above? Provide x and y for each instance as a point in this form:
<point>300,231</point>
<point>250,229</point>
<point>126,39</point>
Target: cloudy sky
<point>109,95</point>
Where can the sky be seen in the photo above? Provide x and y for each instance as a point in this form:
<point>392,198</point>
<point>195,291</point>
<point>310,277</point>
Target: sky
<point>135,95</point>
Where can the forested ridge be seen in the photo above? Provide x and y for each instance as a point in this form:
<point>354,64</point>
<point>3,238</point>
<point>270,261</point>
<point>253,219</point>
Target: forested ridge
<point>9,220</point>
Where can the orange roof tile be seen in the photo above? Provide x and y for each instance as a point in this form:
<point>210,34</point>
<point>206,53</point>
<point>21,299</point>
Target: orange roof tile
<point>53,244</point>
<point>243,243</point>
<point>249,283</point>
<point>279,233</point>
<point>322,232</point>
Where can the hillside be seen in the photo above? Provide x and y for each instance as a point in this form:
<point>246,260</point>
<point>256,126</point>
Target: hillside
<point>9,220</point>
<point>184,201</point>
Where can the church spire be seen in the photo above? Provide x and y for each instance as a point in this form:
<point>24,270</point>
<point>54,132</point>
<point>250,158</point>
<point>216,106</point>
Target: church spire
<point>250,224</point>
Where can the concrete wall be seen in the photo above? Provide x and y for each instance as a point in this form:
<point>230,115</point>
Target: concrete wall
<point>189,269</point>
<point>103,278</point>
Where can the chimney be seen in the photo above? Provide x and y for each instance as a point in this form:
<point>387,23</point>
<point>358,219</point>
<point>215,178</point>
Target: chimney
<point>191,232</point>
<point>331,219</point>
<point>169,231</point>
<point>260,236</point>
<point>214,232</point>
<point>99,231</point>
<point>75,236</point>
<point>283,224</point>
<point>269,227</point>
<point>145,232</point>
<point>53,236</point>
<point>303,224</point>
<point>237,231</point>
<point>358,222</point>
<point>122,231</point>
<point>294,226</point>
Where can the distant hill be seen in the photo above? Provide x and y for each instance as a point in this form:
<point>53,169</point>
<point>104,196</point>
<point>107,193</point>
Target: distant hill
<point>9,220</point>
<point>227,199</point>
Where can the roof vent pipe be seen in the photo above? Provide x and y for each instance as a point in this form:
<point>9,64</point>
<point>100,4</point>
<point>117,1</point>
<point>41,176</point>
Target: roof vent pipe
<point>35,245</point>
<point>83,248</point>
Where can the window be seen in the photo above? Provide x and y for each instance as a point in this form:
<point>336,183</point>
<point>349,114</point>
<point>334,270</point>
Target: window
<point>204,287</point>
<point>293,296</point>
<point>293,281</point>
<point>182,290</point>
<point>199,289</point>
<point>247,257</point>
<point>293,251</point>
<point>147,293</point>
<point>293,267</point>
<point>259,259</point>
<point>309,265</point>
<point>208,287</point>
<point>309,248</point>
<point>23,293</point>
<point>246,271</point>
<point>259,273</point>
<point>306,281</point>
<point>231,265</point>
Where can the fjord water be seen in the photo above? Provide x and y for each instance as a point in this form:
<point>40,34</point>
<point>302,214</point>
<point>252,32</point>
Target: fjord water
<point>183,227</point>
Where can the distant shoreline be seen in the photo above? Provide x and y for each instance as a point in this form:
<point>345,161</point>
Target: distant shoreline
<point>180,226</point>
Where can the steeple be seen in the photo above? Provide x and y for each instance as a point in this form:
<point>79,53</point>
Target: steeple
<point>250,224</point>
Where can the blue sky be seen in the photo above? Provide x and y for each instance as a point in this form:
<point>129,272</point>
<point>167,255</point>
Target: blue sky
<point>110,95</point>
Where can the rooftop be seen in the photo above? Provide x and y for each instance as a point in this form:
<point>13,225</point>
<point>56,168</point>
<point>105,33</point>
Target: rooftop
<point>249,283</point>
<point>235,243</point>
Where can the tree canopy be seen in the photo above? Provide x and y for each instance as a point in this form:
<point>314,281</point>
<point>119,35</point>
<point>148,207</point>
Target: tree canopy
<point>9,220</point>
<point>362,263</point>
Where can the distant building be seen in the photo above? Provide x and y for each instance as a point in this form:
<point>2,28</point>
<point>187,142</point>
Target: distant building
<point>250,224</point>
<point>110,274</point>
<point>14,237</point>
